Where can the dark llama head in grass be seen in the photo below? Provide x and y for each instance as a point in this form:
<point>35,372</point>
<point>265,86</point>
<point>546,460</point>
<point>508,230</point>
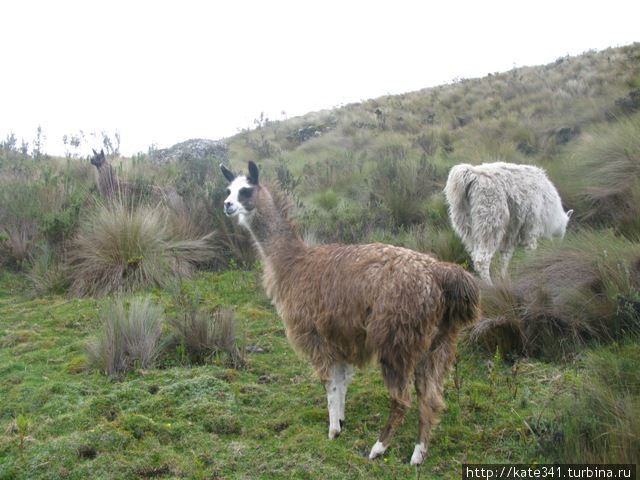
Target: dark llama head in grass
<point>98,158</point>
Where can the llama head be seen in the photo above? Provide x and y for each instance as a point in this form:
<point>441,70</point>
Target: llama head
<point>562,228</point>
<point>241,194</point>
<point>98,158</point>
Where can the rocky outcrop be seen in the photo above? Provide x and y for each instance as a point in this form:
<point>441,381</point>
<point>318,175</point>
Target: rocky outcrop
<point>196,148</point>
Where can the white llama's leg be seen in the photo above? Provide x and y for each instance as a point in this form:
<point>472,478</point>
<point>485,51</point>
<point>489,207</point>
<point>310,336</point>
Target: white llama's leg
<point>482,264</point>
<point>532,243</point>
<point>336,388</point>
<point>505,257</point>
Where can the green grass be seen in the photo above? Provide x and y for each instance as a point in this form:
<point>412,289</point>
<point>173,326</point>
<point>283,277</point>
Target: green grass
<point>58,419</point>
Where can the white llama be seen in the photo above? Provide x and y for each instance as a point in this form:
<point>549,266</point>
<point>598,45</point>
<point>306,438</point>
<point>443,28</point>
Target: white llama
<point>498,206</point>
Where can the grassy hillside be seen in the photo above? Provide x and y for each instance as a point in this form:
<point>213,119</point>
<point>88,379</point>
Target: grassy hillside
<point>115,363</point>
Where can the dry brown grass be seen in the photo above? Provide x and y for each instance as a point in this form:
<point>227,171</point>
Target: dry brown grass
<point>586,288</point>
<point>123,248</point>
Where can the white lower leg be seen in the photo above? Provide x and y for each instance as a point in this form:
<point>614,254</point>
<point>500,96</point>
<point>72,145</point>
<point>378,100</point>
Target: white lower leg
<point>336,392</point>
<point>377,450</point>
<point>333,402</point>
<point>419,454</point>
<point>505,258</point>
<point>482,265</point>
<point>347,375</point>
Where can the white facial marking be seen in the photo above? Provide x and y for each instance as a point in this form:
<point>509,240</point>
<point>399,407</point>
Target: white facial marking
<point>419,454</point>
<point>377,450</point>
<point>232,205</point>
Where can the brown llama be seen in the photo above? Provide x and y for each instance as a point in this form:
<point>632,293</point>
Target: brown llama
<point>343,305</point>
<point>111,187</point>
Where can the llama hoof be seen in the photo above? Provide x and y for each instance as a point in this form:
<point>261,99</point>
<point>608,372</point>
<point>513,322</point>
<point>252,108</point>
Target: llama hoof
<point>334,433</point>
<point>377,450</point>
<point>419,454</point>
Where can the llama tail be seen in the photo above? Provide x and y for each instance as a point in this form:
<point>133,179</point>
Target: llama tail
<point>456,191</point>
<point>462,297</point>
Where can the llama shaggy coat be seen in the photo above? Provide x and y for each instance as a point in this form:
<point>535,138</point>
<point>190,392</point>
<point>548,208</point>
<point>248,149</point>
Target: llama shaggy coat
<point>345,305</point>
<point>498,206</point>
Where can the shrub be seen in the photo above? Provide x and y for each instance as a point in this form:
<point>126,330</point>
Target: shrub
<point>197,335</point>
<point>122,248</point>
<point>401,184</point>
<point>48,273</point>
<point>19,213</point>
<point>606,180</point>
<point>586,288</point>
<point>129,338</point>
<point>598,419</point>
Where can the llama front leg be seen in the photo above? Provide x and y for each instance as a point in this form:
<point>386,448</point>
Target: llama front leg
<point>348,376</point>
<point>505,258</point>
<point>336,388</point>
<point>482,264</point>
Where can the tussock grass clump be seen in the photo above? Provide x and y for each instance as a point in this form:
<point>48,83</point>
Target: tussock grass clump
<point>129,339</point>
<point>48,273</point>
<point>198,335</point>
<point>598,420</point>
<point>606,183</point>
<point>562,295</point>
<point>123,248</point>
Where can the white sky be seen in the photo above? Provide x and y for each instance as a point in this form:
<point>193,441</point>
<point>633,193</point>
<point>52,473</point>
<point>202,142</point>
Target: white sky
<point>162,72</point>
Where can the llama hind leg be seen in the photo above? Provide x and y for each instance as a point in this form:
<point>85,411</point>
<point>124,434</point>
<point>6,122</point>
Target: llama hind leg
<point>400,402</point>
<point>429,379</point>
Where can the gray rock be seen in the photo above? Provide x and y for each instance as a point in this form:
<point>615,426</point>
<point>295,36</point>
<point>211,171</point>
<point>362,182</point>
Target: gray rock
<point>195,148</point>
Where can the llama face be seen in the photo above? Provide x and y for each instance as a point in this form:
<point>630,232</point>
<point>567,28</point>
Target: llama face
<point>240,198</point>
<point>560,231</point>
<point>241,192</point>
<point>98,158</point>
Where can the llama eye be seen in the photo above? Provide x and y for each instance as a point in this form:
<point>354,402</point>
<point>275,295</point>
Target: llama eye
<point>245,192</point>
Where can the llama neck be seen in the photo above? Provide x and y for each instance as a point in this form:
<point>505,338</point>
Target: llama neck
<point>274,235</point>
<point>106,179</point>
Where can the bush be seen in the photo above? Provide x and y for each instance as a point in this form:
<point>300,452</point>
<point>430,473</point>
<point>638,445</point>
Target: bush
<point>598,420</point>
<point>19,214</point>
<point>605,180</point>
<point>129,338</point>
<point>48,273</point>
<point>123,248</point>
<point>197,335</point>
<point>563,295</point>
<point>401,184</point>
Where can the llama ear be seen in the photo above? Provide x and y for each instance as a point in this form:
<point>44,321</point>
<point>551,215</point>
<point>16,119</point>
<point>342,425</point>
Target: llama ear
<point>94,151</point>
<point>569,213</point>
<point>102,152</point>
<point>253,173</point>
<point>228,174</point>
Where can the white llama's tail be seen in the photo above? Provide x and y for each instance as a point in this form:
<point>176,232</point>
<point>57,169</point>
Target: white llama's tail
<point>460,180</point>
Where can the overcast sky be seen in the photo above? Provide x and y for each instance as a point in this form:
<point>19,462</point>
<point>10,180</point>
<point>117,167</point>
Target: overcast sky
<point>163,72</point>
